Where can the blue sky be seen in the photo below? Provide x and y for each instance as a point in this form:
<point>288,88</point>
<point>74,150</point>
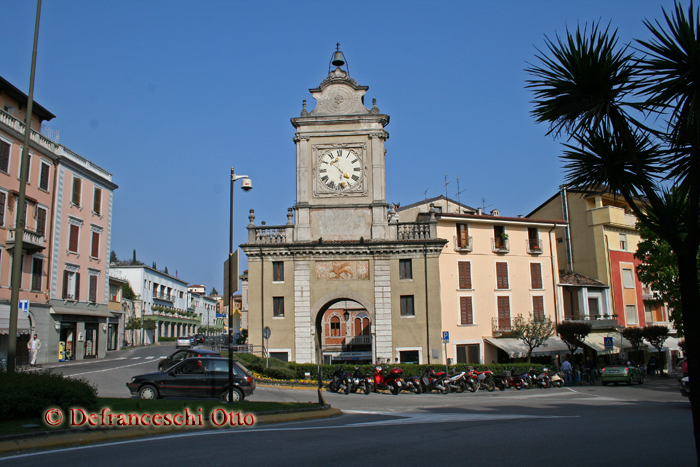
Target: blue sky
<point>169,95</point>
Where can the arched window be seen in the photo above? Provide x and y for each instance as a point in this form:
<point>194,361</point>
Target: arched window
<point>335,326</point>
<point>365,326</point>
<point>358,326</point>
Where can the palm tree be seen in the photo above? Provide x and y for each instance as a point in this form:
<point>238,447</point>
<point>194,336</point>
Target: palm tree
<point>608,100</point>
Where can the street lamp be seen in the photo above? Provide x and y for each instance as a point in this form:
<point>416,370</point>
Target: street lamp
<point>246,185</point>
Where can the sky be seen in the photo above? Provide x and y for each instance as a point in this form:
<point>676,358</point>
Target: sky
<point>169,95</point>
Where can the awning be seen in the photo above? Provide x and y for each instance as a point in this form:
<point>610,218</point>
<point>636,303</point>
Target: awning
<point>516,348</point>
<point>670,343</point>
<point>23,325</point>
<point>69,310</point>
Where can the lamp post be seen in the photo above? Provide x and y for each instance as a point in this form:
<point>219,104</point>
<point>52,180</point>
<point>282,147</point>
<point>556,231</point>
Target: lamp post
<point>246,185</point>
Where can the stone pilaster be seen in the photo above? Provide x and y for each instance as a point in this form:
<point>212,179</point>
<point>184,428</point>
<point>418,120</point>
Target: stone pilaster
<point>303,341</point>
<point>382,309</point>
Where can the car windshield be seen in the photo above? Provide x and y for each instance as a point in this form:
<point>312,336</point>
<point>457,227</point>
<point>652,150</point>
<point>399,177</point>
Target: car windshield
<point>242,367</point>
<point>622,363</point>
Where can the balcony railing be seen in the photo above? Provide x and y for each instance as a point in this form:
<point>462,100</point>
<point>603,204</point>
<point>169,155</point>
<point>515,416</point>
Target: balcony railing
<point>31,241</point>
<point>358,340</point>
<point>500,245</point>
<point>463,243</point>
<point>412,231</point>
<point>273,234</point>
<point>163,296</point>
<point>501,325</point>
<point>533,246</point>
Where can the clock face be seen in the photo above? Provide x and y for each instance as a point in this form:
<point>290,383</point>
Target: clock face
<point>340,169</point>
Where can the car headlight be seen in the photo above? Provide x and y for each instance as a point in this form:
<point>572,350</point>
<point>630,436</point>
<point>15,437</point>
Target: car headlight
<point>133,379</point>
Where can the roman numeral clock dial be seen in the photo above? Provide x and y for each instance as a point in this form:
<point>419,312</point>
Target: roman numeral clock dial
<point>340,169</point>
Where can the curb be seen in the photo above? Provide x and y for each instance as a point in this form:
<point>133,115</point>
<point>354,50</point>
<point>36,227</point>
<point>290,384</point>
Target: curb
<point>52,440</point>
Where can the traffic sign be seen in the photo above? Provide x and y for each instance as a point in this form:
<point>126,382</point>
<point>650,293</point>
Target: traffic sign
<point>608,341</point>
<point>266,332</point>
<point>24,306</point>
<point>446,336</point>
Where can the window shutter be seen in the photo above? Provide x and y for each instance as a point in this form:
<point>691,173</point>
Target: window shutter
<point>77,286</point>
<point>538,307</point>
<point>44,177</point>
<point>465,308</point>
<point>36,273</point>
<point>40,221</point>
<point>93,289</point>
<point>65,284</point>
<point>536,275</point>
<point>465,275</point>
<point>97,204</point>
<point>4,156</point>
<point>95,245</point>
<point>76,191</point>
<point>3,198</point>
<point>502,275</point>
<point>73,241</point>
<point>503,312</point>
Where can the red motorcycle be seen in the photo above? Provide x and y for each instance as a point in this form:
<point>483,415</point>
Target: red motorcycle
<point>392,381</point>
<point>480,380</point>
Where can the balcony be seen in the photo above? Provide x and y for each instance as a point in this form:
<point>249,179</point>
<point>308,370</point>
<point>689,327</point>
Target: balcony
<point>611,216</point>
<point>533,246</point>
<point>463,244</point>
<point>501,326</point>
<point>358,340</point>
<point>271,234</point>
<point>31,241</point>
<point>599,322</point>
<point>163,296</point>
<point>500,245</point>
<point>413,231</point>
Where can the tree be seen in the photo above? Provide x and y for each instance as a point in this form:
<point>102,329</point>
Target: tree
<point>132,325</point>
<point>534,332</point>
<point>573,333</point>
<point>128,292</point>
<point>656,335</point>
<point>659,269</point>
<point>213,291</point>
<point>154,266</point>
<point>165,270</point>
<point>134,261</point>
<point>113,258</point>
<point>636,337</point>
<point>606,99</point>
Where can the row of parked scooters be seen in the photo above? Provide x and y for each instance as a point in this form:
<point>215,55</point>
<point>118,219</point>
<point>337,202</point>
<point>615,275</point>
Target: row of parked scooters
<point>439,381</point>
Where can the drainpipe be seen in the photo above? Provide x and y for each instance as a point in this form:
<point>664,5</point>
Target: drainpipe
<point>567,231</point>
<point>427,320</point>
<point>262,308</point>
<point>554,275</point>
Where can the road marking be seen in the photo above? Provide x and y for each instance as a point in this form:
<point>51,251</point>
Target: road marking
<point>162,357</point>
<point>135,358</point>
<point>147,358</point>
<point>122,358</point>
<point>108,369</point>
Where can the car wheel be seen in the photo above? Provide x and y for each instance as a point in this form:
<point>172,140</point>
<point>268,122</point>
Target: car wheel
<point>237,395</point>
<point>148,392</point>
<point>395,390</point>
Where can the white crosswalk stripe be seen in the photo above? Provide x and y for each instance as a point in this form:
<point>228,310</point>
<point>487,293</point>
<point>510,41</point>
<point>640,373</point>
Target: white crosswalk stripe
<point>135,358</point>
<point>149,357</point>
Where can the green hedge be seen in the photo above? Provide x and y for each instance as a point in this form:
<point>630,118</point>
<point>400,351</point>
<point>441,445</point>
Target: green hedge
<point>298,370</point>
<point>28,395</point>
<point>167,339</point>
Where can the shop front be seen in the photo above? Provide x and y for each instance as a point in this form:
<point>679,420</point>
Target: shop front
<point>81,334</point>
<point>24,331</point>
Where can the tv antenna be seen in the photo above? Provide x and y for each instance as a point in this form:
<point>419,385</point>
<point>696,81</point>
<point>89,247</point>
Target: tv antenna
<point>447,202</point>
<point>459,193</point>
<point>483,204</point>
<point>425,194</point>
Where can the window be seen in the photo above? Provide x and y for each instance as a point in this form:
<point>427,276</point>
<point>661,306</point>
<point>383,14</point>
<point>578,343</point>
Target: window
<point>3,202</point>
<point>37,273</point>
<point>504,312</point>
<point>593,309</point>
<point>536,275</point>
<point>407,305</point>
<point>95,250</point>
<point>335,326</point>
<point>533,239</point>
<point>77,191</point>
<point>648,316</point>
<point>465,310</point>
<point>623,242</point>
<point>278,307</point>
<point>462,236</point>
<point>501,275</point>
<point>405,269</point>
<point>92,291</point>
<point>465,274</point>
<point>73,239</point>
<point>538,307</point>
<point>40,221</point>
<point>631,311</point>
<point>71,285</point>
<point>468,353</point>
<point>97,201</point>
<point>44,176</point>
<point>627,278</point>
<point>113,292</point>
<point>499,236</point>
<point>278,271</point>
<point>5,156</point>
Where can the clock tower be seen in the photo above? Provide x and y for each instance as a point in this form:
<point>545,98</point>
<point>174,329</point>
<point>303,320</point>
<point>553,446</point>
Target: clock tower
<point>341,189</point>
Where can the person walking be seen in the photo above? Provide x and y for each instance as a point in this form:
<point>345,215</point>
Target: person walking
<point>566,368</point>
<point>33,345</point>
<point>590,369</point>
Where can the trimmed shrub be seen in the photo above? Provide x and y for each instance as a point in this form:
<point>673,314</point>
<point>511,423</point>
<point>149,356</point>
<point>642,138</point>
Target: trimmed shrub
<point>167,339</point>
<point>279,373</point>
<point>28,395</point>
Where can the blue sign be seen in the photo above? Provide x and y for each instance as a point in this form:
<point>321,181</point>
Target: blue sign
<point>24,306</point>
<point>608,341</point>
<point>446,336</point>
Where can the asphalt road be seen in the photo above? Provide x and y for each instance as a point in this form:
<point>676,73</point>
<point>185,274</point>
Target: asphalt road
<point>648,425</point>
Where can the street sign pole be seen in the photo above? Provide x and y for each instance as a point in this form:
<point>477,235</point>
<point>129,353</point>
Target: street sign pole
<point>445,341</point>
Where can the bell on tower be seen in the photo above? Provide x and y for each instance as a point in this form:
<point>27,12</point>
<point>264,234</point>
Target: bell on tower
<point>338,59</point>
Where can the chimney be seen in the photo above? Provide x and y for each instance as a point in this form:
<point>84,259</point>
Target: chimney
<point>479,212</point>
<point>495,213</point>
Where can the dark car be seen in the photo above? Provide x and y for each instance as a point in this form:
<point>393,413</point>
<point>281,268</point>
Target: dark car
<point>195,377</point>
<point>199,338</point>
<point>180,355</point>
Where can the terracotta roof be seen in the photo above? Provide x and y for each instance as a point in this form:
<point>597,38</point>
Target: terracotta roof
<point>501,218</point>
<point>430,200</point>
<point>579,279</point>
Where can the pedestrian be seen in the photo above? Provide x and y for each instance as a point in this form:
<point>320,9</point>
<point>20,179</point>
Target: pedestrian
<point>651,367</point>
<point>33,345</point>
<point>684,367</point>
<point>590,368</point>
<point>566,368</point>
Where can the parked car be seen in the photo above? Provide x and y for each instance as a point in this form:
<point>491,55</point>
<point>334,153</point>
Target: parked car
<point>685,386</point>
<point>195,377</point>
<point>180,355</point>
<point>183,341</point>
<point>200,338</point>
<point>193,341</point>
<point>622,371</point>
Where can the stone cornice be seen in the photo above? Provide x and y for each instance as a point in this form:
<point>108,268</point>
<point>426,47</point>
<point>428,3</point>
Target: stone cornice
<point>316,250</point>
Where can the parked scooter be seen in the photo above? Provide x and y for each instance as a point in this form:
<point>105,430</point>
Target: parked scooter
<point>456,382</point>
<point>508,380</point>
<point>480,380</point>
<point>558,380</point>
<point>391,381</point>
<point>341,381</point>
<point>431,381</point>
<point>361,382</point>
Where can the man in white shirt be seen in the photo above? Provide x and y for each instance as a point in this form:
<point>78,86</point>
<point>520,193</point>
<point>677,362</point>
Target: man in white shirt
<point>33,345</point>
<point>566,368</point>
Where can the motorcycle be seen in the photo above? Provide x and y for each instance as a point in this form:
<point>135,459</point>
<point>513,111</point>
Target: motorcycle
<point>341,381</point>
<point>456,382</point>
<point>541,380</point>
<point>413,384</point>
<point>557,380</point>
<point>392,381</point>
<point>508,380</point>
<point>432,381</point>
<point>362,382</point>
<point>480,380</point>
